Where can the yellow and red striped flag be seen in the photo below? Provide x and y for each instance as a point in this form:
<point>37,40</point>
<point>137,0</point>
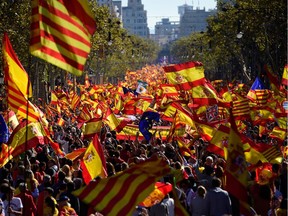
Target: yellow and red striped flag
<point>285,76</point>
<point>119,194</point>
<point>5,154</point>
<point>18,85</point>
<point>93,163</point>
<point>241,108</point>
<point>185,75</point>
<point>61,32</point>
<point>262,95</point>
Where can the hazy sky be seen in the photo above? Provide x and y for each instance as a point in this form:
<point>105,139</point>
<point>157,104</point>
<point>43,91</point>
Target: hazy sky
<point>158,9</point>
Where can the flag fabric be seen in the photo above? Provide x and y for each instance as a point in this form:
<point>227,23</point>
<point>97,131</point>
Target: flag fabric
<point>273,79</point>
<point>157,195</point>
<point>257,85</point>
<point>92,127</point>
<point>146,123</point>
<point>25,136</point>
<point>185,75</point>
<point>5,154</point>
<point>113,122</point>
<point>119,194</point>
<point>262,96</point>
<point>236,168</point>
<point>61,33</point>
<point>284,80</point>
<point>240,108</point>
<point>93,163</point>
<point>75,154</point>
<point>18,85</point>
<point>129,132</point>
<point>4,131</point>
<point>141,87</point>
<point>11,120</point>
<point>54,98</point>
<point>219,142</point>
<point>169,90</point>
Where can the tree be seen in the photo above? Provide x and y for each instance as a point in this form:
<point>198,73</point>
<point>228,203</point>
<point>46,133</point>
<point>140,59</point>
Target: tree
<point>263,40</point>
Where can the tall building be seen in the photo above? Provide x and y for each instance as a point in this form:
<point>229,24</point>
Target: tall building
<point>134,18</point>
<point>193,20</point>
<point>165,31</point>
<point>114,6</point>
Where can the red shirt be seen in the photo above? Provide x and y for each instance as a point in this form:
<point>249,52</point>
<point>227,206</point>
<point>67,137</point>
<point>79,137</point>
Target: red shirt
<point>29,207</point>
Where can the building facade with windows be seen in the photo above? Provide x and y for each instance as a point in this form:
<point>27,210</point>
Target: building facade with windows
<point>134,18</point>
<point>166,31</point>
<point>193,20</point>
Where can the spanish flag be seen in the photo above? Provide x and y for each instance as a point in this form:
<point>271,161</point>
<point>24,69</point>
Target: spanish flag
<point>285,76</point>
<point>92,127</point>
<point>186,75</point>
<point>25,136</point>
<point>113,122</point>
<point>236,168</point>
<point>93,163</point>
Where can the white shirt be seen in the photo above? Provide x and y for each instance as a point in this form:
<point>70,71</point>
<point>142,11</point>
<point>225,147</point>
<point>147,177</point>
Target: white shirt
<point>15,203</point>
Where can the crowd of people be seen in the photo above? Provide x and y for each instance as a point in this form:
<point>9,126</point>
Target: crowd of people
<point>41,183</point>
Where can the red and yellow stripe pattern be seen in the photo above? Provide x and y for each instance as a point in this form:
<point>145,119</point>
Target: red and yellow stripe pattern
<point>61,31</point>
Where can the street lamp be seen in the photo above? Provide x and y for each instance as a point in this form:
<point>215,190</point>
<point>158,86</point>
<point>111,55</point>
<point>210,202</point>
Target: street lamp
<point>239,35</point>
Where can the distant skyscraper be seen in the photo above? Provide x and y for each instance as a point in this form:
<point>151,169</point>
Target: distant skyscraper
<point>134,18</point>
<point>193,20</point>
<point>165,31</point>
<point>114,6</point>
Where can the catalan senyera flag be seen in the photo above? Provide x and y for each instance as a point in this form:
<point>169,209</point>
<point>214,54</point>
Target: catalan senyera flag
<point>18,85</point>
<point>241,108</point>
<point>119,194</point>
<point>25,136</point>
<point>5,154</point>
<point>93,163</point>
<point>262,96</point>
<point>257,85</point>
<point>61,33</point>
<point>185,75</point>
<point>236,168</point>
<point>285,76</point>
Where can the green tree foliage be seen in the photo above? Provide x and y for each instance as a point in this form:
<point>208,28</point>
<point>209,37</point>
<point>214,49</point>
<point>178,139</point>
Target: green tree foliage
<point>263,24</point>
<point>111,52</point>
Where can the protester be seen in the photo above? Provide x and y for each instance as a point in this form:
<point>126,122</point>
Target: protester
<point>51,176</point>
<point>218,200</point>
<point>29,206</point>
<point>13,205</point>
<point>198,206</point>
